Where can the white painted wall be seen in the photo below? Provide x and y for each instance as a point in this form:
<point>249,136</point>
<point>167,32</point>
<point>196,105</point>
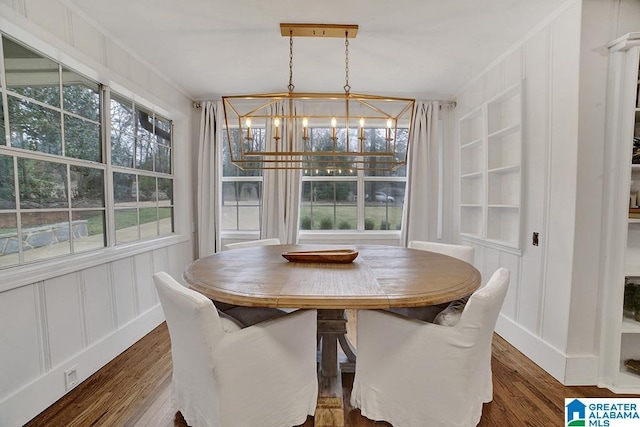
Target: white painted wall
<point>87,310</point>
<point>535,315</point>
<point>552,309</point>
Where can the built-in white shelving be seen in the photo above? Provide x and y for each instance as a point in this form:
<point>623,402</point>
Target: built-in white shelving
<point>621,333</point>
<point>490,170</point>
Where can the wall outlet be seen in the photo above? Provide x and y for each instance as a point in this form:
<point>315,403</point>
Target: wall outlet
<point>71,377</point>
<point>535,240</point>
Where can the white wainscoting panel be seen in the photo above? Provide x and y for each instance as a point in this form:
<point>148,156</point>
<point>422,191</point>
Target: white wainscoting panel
<point>125,293</point>
<point>64,317</point>
<point>512,263</point>
<point>19,339</point>
<point>99,304</point>
<point>491,262</point>
<point>536,152</point>
<point>144,283</point>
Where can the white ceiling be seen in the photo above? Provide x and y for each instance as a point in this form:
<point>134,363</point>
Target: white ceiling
<point>416,48</point>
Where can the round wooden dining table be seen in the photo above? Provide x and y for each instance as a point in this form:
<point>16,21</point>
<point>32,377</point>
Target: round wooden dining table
<point>380,277</point>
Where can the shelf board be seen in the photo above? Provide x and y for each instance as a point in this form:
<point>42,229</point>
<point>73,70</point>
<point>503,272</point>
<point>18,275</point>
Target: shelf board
<point>500,206</point>
<point>505,169</point>
<point>509,243</point>
<point>630,326</point>
<point>635,166</point>
<point>632,270</point>
<point>504,131</point>
<point>626,378</point>
<point>501,245</point>
<point>470,205</point>
<point>474,175</point>
<point>634,220</point>
<point>471,235</point>
<point>470,143</point>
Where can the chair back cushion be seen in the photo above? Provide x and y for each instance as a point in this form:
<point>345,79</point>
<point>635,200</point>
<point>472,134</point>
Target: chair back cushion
<point>253,243</point>
<point>484,304</point>
<point>464,253</point>
<point>195,329</point>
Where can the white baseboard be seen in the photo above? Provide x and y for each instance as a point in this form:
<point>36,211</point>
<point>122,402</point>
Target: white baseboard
<point>34,398</point>
<point>569,370</point>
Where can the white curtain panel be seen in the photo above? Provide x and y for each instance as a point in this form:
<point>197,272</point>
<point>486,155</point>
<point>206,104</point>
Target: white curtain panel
<point>281,190</point>
<point>421,200</point>
<point>209,178</point>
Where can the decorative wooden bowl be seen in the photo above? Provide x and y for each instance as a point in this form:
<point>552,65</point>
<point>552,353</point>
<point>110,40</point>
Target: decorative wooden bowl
<point>336,256</point>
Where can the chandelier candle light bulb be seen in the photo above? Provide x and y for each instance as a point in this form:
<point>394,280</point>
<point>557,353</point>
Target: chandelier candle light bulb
<point>334,123</point>
<point>248,124</point>
<point>361,129</point>
<point>276,127</point>
<point>305,123</point>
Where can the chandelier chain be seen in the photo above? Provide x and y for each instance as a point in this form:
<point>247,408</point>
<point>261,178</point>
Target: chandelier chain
<point>347,88</point>
<point>290,86</point>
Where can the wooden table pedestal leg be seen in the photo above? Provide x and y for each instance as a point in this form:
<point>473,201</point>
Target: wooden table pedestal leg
<point>330,407</point>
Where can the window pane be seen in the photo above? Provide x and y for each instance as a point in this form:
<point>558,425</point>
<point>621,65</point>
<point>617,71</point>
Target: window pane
<point>80,95</point>
<point>147,190</point>
<point>126,225</point>
<point>163,131</point>
<point>34,127</point>
<point>144,124</point>
<point>88,231</point>
<point>228,168</point>
<point>7,187</point>
<point>241,205</point>
<point>8,240</point>
<point>87,187</point>
<point>328,205</point>
<point>122,128</point>
<point>383,205</point>
<point>229,217</point>
<point>82,139</point>
<point>162,159</point>
<point>166,220</point>
<point>122,150</point>
<point>148,222</point>
<point>45,235</point>
<point>42,184</point>
<point>30,74</point>
<point>165,191</point>
<point>378,143</point>
<point>248,217</point>
<point>125,189</point>
<point>144,155</point>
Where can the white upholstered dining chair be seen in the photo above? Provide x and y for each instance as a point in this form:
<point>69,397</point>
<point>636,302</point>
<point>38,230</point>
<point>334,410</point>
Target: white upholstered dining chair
<point>414,374</point>
<point>461,252</point>
<point>224,376</point>
<point>253,243</point>
<point>248,316</point>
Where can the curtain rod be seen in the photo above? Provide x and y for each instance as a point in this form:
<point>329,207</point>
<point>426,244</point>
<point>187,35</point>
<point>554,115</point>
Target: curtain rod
<point>443,104</point>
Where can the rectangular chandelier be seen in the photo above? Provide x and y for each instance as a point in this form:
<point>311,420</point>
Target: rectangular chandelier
<point>317,130</point>
<point>329,131</point>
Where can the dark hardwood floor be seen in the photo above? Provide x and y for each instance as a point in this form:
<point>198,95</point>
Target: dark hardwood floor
<point>134,390</point>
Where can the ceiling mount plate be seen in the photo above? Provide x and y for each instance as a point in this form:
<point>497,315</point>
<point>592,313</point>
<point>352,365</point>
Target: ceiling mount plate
<point>318,30</point>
